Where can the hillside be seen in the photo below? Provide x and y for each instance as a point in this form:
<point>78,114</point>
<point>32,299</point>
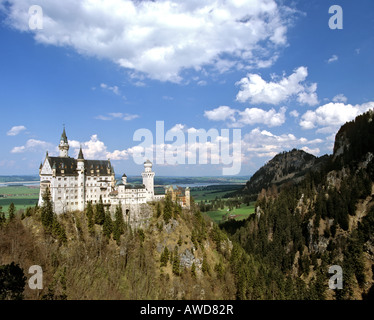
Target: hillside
<point>284,167</point>
<point>325,217</point>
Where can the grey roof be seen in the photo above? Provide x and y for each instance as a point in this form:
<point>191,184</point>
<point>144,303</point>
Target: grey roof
<point>64,137</point>
<point>80,155</point>
<point>69,165</point>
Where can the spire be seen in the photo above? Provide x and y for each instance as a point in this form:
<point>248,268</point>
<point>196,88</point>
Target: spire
<point>80,155</point>
<point>64,137</point>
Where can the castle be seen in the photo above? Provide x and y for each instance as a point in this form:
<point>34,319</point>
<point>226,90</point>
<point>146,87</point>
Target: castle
<point>75,182</point>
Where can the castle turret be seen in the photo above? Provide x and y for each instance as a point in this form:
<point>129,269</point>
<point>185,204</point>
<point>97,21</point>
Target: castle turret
<point>81,180</point>
<point>148,178</point>
<point>187,197</point>
<point>64,145</point>
<point>124,179</point>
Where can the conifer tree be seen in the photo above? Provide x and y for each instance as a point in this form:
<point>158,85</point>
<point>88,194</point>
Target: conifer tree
<point>193,269</point>
<point>168,210</point>
<point>108,224</point>
<point>158,210</point>
<point>119,224</point>
<point>90,217</point>
<point>176,262</point>
<point>100,212</point>
<point>2,217</point>
<point>164,257</point>
<point>11,211</point>
<point>47,210</point>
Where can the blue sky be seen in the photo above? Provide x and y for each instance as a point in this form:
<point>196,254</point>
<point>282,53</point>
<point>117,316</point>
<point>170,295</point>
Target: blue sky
<point>273,69</point>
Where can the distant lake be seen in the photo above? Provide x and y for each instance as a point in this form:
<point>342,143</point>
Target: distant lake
<point>20,183</point>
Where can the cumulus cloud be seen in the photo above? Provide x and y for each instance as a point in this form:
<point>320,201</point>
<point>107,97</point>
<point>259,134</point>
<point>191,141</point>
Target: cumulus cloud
<point>221,113</point>
<point>294,113</point>
<point>265,144</point>
<point>33,145</point>
<point>249,116</point>
<point>255,89</point>
<point>329,117</point>
<point>161,38</point>
<point>15,130</point>
<point>340,98</point>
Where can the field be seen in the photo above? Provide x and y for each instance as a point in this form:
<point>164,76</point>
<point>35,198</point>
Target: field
<point>21,196</point>
<point>239,214</point>
<point>209,193</point>
<point>212,192</point>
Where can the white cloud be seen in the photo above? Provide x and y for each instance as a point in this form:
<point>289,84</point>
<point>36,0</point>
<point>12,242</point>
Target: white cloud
<point>33,145</point>
<point>255,89</point>
<point>248,116</point>
<point>221,113</point>
<point>161,38</point>
<point>265,144</point>
<point>113,89</point>
<point>15,130</point>
<point>314,151</point>
<point>96,149</point>
<point>340,98</point>
<point>271,118</point>
<point>333,58</point>
<point>294,113</point>
<point>331,116</point>
<point>117,115</point>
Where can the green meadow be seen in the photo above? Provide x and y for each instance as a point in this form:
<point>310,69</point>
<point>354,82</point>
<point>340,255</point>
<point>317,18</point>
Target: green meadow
<point>21,196</point>
<point>239,213</point>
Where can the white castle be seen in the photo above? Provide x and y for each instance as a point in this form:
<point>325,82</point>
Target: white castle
<point>75,182</point>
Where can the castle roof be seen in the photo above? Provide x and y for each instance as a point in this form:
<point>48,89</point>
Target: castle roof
<point>69,165</point>
<point>64,137</point>
<point>80,155</point>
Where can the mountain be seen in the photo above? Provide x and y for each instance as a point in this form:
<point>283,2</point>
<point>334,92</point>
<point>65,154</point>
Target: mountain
<point>284,167</point>
<point>322,218</point>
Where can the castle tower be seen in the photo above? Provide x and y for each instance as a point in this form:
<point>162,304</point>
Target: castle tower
<point>64,145</point>
<point>188,197</point>
<point>148,178</point>
<point>81,180</point>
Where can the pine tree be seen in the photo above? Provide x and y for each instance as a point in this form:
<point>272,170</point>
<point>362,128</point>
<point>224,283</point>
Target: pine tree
<point>168,210</point>
<point>193,270</point>
<point>2,217</point>
<point>164,257</point>
<point>11,211</point>
<point>47,210</point>
<point>176,262</point>
<point>158,210</point>
<point>205,266</point>
<point>90,217</point>
<point>119,224</point>
<point>108,224</point>
<point>100,212</point>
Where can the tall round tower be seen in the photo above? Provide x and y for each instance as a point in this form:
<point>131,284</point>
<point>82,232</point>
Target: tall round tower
<point>148,177</point>
<point>64,145</point>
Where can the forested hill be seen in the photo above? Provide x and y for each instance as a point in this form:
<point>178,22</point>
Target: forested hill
<point>284,167</point>
<point>326,218</point>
